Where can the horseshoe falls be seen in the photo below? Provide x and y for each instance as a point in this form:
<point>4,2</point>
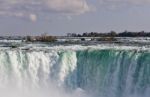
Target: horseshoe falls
<point>75,71</point>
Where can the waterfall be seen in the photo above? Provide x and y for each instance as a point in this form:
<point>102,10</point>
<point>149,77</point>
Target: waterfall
<point>100,73</point>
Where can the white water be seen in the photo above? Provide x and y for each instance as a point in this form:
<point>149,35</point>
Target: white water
<point>75,71</point>
<point>36,74</point>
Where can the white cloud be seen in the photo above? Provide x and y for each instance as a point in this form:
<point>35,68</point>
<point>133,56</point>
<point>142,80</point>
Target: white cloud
<point>127,1</point>
<point>33,17</point>
<point>30,7</point>
<point>113,4</point>
<point>68,6</point>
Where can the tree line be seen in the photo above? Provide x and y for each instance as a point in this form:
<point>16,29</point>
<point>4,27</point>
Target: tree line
<point>111,34</point>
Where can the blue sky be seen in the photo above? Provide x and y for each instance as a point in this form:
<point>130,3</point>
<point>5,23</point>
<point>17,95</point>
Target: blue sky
<point>58,17</point>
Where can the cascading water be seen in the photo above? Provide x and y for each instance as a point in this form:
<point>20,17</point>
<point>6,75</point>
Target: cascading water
<point>95,72</point>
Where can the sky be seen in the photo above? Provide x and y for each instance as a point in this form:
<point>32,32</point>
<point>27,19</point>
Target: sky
<point>58,17</point>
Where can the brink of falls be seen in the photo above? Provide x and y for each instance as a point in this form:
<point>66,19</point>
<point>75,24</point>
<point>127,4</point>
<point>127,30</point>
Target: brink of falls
<point>84,72</point>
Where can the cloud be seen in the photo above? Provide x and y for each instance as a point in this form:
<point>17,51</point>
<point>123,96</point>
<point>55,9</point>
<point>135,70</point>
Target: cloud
<point>68,6</point>
<point>21,8</point>
<point>114,4</point>
<point>138,2</point>
<point>33,17</point>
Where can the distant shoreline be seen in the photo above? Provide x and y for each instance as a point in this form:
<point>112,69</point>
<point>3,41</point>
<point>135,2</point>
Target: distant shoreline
<point>111,36</point>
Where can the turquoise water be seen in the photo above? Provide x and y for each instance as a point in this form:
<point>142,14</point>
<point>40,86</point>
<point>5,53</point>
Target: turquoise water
<point>96,72</point>
<point>115,73</point>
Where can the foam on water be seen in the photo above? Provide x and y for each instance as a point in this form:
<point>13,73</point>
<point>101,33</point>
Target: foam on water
<point>75,71</point>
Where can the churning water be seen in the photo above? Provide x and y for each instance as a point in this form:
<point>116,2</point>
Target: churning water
<point>75,71</point>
